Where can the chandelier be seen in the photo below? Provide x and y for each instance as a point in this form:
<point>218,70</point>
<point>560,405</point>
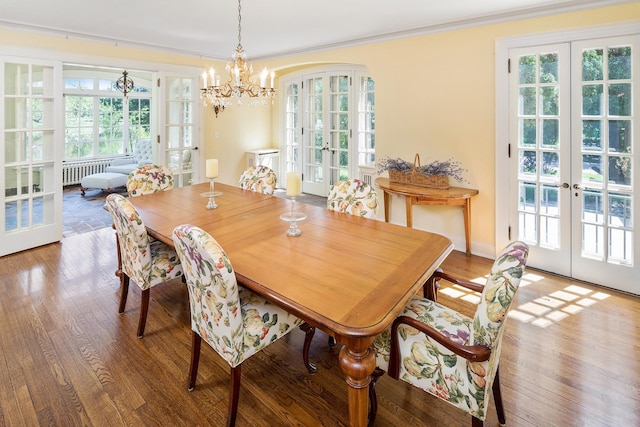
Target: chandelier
<point>125,84</point>
<point>239,83</point>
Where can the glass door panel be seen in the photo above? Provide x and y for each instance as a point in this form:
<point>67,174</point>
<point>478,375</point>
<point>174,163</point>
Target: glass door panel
<point>31,212</point>
<point>181,151</point>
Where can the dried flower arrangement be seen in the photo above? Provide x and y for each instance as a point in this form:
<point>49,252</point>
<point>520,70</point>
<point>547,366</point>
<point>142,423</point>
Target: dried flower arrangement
<point>403,171</point>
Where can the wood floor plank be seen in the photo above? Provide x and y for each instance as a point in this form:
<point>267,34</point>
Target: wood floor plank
<point>569,356</point>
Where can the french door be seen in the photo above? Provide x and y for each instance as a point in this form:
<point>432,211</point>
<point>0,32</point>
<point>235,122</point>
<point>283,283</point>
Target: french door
<point>327,132</point>
<point>574,117</point>
<point>30,156</point>
<point>180,140</point>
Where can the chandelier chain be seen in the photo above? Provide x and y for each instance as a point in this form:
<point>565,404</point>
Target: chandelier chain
<point>239,26</point>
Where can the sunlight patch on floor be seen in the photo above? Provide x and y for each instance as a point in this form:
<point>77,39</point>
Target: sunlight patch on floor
<point>542,312</point>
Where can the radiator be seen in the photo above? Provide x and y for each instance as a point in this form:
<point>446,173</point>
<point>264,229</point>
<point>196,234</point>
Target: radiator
<point>366,174</point>
<point>73,172</point>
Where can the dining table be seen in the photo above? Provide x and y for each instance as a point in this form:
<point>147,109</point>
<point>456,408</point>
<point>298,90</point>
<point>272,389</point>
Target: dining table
<point>345,275</point>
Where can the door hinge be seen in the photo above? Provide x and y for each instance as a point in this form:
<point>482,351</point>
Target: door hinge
<point>509,232</point>
<point>509,150</point>
<point>509,66</point>
<point>350,133</point>
<point>158,139</point>
<point>158,82</point>
<point>302,131</point>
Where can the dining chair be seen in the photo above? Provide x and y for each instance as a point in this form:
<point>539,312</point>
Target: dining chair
<point>260,179</point>
<point>149,179</point>
<point>146,179</point>
<point>146,263</point>
<point>234,321</point>
<point>354,197</point>
<point>447,354</point>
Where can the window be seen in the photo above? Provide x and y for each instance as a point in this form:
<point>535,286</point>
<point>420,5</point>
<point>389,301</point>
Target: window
<point>99,120</point>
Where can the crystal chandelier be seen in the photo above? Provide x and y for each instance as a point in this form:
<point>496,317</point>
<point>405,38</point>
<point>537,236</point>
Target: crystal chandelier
<point>239,83</point>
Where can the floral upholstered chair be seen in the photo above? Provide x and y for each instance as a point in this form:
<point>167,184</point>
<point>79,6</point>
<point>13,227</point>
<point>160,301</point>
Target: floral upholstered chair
<point>354,197</point>
<point>447,354</point>
<point>146,263</point>
<point>235,322</point>
<point>260,179</point>
<point>144,180</point>
<point>149,179</point>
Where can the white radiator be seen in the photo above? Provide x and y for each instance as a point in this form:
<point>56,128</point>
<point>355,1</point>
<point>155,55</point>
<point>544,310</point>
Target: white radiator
<point>366,174</point>
<point>73,172</point>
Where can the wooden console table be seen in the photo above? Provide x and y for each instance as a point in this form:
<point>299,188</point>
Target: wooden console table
<point>417,195</point>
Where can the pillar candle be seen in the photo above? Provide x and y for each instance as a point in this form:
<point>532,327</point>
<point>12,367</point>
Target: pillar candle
<point>293,184</point>
<point>212,168</point>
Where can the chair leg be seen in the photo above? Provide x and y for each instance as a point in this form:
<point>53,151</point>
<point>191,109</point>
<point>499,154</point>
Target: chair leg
<point>497,398</point>
<point>234,394</point>
<point>196,340</point>
<point>309,332</point>
<point>430,288</point>
<point>332,342</point>
<point>144,308</point>
<point>124,291</point>
<point>476,422</point>
<point>373,398</point>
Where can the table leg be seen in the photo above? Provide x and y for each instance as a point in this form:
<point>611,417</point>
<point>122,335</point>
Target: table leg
<point>409,207</point>
<point>466,209</point>
<point>358,362</point>
<point>386,206</point>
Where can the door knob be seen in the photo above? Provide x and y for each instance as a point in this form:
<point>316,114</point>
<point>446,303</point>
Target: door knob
<point>576,186</point>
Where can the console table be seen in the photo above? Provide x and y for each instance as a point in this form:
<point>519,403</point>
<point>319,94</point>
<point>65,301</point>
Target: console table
<point>418,195</point>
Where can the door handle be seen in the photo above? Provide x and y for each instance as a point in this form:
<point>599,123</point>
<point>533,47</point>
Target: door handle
<point>576,186</point>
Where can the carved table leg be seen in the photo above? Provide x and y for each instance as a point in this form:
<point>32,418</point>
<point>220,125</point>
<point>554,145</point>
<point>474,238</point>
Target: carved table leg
<point>357,362</point>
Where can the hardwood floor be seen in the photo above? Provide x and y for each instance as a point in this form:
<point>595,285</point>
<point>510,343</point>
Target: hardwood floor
<point>571,355</point>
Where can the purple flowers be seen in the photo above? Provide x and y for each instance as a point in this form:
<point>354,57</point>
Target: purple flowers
<point>450,168</point>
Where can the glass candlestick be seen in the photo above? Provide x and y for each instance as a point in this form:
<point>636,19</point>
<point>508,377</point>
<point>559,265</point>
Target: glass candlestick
<point>293,217</point>
<point>211,195</point>
<point>212,203</point>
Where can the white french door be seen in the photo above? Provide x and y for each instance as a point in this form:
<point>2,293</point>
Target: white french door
<point>179,142</point>
<point>31,153</point>
<point>573,123</point>
<point>327,131</point>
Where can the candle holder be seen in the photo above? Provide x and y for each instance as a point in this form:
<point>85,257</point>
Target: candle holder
<point>211,195</point>
<point>293,217</point>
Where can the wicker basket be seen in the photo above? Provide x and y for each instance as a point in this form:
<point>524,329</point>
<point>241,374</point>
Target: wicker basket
<point>416,178</point>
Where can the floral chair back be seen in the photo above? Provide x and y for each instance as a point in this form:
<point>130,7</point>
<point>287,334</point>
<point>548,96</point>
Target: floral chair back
<point>354,197</point>
<point>260,179</point>
<point>233,321</point>
<point>144,264</point>
<point>424,362</point>
<point>149,179</point>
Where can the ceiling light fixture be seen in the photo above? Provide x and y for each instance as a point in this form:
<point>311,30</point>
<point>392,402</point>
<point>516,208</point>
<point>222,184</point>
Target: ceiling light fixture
<point>239,83</point>
<point>125,83</point>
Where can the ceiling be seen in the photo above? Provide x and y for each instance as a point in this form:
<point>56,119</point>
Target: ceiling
<point>270,28</point>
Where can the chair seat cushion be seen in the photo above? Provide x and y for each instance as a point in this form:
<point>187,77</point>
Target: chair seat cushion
<point>125,169</point>
<point>165,264</point>
<point>104,180</point>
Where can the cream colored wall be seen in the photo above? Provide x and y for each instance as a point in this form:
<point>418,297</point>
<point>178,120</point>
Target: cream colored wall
<point>434,96</point>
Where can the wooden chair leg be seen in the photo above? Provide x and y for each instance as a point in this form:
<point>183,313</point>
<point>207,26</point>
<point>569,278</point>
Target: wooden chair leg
<point>124,291</point>
<point>373,398</point>
<point>497,398</point>
<point>332,342</point>
<point>430,288</point>
<point>476,422</point>
<point>144,308</point>
<point>196,340</point>
<point>309,332</point>
<point>234,394</point>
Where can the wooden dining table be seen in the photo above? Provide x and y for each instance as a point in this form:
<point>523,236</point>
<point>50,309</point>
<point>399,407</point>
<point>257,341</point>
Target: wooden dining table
<point>345,275</point>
